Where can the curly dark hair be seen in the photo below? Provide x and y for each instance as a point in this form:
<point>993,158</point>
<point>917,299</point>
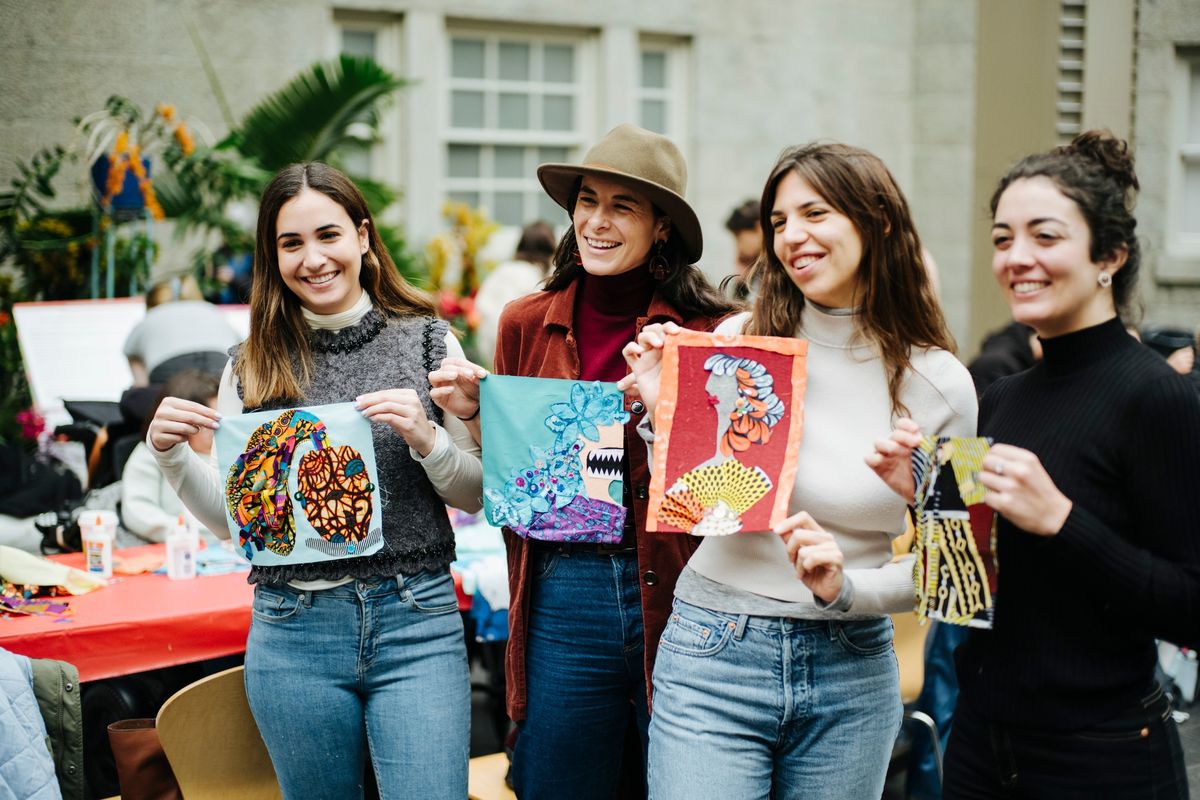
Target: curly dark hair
<point>1096,171</point>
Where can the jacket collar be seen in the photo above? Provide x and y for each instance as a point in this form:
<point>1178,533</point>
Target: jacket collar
<point>562,309</point>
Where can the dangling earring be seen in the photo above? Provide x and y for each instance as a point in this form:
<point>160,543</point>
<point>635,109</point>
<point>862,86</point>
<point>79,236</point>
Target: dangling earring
<point>659,267</point>
<point>578,257</point>
<point>1104,279</point>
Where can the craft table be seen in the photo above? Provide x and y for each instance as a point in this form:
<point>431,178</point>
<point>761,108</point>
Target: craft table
<point>143,622</point>
<point>138,623</point>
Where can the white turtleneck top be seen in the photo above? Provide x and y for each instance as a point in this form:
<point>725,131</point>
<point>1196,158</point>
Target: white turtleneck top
<point>846,408</point>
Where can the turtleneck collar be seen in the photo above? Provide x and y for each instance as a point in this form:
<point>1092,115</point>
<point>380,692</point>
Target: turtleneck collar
<point>625,294</point>
<point>832,327</point>
<point>1078,350</point>
<point>342,319</point>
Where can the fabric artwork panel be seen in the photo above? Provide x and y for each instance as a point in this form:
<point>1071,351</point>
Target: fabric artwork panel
<point>955,566</point>
<point>301,485</point>
<point>552,456</point>
<point>727,432</point>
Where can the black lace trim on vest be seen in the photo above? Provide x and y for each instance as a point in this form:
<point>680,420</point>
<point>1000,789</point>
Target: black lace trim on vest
<point>435,557</point>
<point>347,340</point>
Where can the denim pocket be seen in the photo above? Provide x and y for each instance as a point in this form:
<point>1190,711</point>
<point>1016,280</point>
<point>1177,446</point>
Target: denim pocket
<point>694,631</point>
<point>435,595</point>
<point>543,561</point>
<point>868,637</point>
<point>275,605</point>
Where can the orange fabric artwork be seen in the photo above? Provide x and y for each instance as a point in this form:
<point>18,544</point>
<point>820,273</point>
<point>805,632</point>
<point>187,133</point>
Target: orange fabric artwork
<point>727,432</point>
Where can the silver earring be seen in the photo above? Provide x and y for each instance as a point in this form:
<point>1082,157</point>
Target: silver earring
<point>1104,279</point>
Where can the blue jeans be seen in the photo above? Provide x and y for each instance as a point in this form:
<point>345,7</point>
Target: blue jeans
<point>584,671</point>
<point>378,667</point>
<point>761,707</point>
<point>939,695</point>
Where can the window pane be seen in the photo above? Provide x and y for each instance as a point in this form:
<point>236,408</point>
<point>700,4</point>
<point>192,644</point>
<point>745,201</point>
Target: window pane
<point>358,43</point>
<point>1190,208</point>
<point>466,109</point>
<point>1193,131</point>
<point>654,70</point>
<point>470,198</point>
<point>514,111</point>
<point>558,63</point>
<point>463,161</point>
<point>466,58</point>
<point>552,155</point>
<point>514,62</point>
<point>509,208</point>
<point>551,211</point>
<point>654,115</point>
<point>510,162</point>
<point>557,113</point>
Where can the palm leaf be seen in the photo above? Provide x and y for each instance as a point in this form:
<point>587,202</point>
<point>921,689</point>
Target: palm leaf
<point>310,117</point>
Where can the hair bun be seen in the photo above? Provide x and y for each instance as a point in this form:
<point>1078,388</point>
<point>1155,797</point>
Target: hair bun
<point>1110,152</point>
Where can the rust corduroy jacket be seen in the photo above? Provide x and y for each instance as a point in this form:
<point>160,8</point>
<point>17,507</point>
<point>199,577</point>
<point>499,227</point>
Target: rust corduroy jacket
<point>537,339</point>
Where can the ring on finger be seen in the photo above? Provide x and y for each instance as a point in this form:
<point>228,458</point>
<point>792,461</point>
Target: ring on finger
<point>998,468</point>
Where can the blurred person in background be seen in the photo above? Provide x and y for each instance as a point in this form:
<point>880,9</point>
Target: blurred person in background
<point>747,234</point>
<point>510,280</point>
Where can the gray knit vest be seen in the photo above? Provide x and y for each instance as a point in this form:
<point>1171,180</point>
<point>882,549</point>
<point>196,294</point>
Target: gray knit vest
<point>374,354</point>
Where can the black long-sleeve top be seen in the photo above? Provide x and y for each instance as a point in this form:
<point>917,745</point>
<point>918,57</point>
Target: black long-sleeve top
<point>1077,613</point>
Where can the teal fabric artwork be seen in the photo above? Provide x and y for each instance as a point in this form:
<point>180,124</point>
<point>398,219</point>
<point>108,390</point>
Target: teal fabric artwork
<point>552,454</point>
<point>301,484</point>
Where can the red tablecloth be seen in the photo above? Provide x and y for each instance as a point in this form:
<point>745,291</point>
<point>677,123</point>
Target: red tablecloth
<point>139,622</point>
<point>143,622</point>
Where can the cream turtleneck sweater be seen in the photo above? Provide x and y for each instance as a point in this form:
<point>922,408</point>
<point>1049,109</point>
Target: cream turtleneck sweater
<point>846,408</point>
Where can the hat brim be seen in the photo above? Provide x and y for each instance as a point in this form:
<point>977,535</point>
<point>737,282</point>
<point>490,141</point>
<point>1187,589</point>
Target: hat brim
<point>559,180</point>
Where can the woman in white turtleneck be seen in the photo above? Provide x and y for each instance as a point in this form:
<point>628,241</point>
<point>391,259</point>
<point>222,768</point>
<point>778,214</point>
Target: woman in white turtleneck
<point>775,674</point>
<point>363,646</point>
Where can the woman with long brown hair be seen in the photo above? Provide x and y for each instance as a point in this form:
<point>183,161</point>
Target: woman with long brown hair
<point>775,675</point>
<point>359,648</point>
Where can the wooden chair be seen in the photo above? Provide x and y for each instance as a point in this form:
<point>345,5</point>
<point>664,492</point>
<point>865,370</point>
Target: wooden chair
<point>485,781</point>
<point>910,656</point>
<point>213,744</point>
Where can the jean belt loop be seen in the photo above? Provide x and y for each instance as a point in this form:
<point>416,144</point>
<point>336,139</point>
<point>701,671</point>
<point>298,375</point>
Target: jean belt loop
<point>307,598</point>
<point>740,630</point>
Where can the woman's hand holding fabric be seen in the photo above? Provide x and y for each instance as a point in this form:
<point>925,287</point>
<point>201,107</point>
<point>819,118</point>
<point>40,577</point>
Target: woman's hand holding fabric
<point>815,554</point>
<point>644,358</point>
<point>1020,490</point>
<point>401,410</point>
<point>175,420</point>
<point>456,387</point>
<point>892,459</point>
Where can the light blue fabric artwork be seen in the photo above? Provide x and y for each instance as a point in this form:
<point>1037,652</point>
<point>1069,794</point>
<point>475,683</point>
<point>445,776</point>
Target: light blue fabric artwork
<point>552,454</point>
<point>301,484</point>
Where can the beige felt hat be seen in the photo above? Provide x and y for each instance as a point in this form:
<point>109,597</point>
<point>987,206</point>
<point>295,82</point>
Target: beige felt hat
<point>642,160</point>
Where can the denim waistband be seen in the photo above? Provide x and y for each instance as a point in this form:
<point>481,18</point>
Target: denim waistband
<point>378,586</point>
<point>784,625</point>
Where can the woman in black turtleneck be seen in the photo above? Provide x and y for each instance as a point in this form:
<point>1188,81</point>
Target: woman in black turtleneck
<point>1096,459</point>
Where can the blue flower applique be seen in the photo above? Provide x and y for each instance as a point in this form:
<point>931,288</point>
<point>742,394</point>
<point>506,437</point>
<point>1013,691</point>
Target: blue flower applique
<point>588,408</point>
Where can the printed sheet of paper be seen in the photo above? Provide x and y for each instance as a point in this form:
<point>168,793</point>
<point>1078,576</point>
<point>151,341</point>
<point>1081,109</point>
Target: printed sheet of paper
<point>301,484</point>
<point>727,433</point>
<point>552,454</point>
<point>955,567</point>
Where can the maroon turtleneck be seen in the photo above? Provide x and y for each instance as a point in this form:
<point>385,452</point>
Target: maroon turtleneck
<point>607,308</point>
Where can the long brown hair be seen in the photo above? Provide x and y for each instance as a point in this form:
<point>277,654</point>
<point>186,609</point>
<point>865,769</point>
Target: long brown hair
<point>278,332</point>
<point>685,288</point>
<point>898,308</point>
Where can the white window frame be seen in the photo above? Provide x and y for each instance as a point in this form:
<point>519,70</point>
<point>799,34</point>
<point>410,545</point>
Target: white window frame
<point>582,90</point>
<point>677,91</point>
<point>1183,151</point>
<point>386,157</point>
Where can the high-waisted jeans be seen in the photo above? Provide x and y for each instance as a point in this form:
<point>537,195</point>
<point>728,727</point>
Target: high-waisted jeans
<point>376,666</point>
<point>749,708</point>
<point>585,678</point>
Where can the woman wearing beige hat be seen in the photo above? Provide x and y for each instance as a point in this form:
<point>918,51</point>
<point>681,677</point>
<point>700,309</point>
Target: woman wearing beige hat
<point>585,618</point>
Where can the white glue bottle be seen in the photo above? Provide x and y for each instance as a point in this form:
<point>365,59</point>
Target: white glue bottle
<point>181,551</point>
<point>97,538</point>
